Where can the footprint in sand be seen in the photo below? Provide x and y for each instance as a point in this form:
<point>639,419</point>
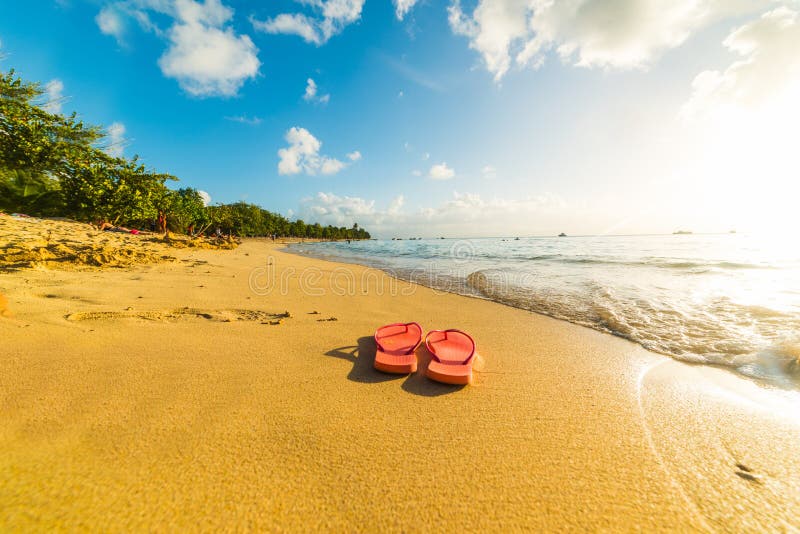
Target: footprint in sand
<point>4,311</point>
<point>742,471</point>
<point>222,316</point>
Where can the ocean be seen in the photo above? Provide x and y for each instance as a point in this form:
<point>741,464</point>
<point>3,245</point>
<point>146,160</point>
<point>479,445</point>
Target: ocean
<point>730,300</point>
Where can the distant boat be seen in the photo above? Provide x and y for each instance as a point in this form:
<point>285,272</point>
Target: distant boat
<point>562,234</point>
<point>516,239</point>
<point>682,232</point>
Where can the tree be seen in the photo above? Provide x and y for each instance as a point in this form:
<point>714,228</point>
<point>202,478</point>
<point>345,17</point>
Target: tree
<point>51,164</point>
<point>34,194</point>
<point>34,140</point>
<point>185,207</point>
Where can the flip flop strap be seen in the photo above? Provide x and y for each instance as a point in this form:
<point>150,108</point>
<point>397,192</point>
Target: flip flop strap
<point>406,325</point>
<point>428,346</point>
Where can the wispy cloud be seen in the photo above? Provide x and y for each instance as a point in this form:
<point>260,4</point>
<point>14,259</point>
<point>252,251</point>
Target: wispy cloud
<point>402,7</point>
<point>329,18</point>
<point>53,91</point>
<point>412,74</point>
<point>311,95</point>
<point>244,119</point>
<point>111,21</point>
<point>116,138</point>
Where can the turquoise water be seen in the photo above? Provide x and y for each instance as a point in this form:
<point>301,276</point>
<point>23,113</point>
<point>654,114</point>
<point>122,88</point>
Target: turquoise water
<point>731,300</point>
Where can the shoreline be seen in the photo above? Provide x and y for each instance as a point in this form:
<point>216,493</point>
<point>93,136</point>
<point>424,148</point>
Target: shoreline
<point>770,383</point>
<point>173,395</point>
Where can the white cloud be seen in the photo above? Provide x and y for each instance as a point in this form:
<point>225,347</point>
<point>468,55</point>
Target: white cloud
<point>330,17</point>
<point>302,155</point>
<point>489,172</point>
<point>498,212</point>
<point>331,165</point>
<point>589,33</point>
<point>244,119</point>
<point>396,205</point>
<point>768,72</point>
<point>290,24</point>
<point>205,197</point>
<point>441,171</point>
<point>54,98</point>
<point>116,139</point>
<point>311,90</point>
<point>111,22</point>
<point>462,214</point>
<point>205,55</point>
<point>206,58</point>
<point>327,208</point>
<point>416,172</point>
<point>311,93</point>
<point>354,156</point>
<point>402,7</point>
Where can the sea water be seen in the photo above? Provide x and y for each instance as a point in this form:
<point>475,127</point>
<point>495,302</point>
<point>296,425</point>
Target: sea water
<point>725,299</point>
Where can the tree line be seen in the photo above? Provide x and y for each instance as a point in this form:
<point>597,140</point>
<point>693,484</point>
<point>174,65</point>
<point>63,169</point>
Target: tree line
<point>56,165</point>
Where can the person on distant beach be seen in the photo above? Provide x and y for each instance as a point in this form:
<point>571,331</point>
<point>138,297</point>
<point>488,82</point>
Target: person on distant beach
<point>103,225</point>
<point>190,230</point>
<point>218,233</point>
<point>162,222</point>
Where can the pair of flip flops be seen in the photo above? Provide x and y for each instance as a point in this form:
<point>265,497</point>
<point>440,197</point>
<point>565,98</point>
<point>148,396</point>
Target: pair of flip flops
<point>452,352</point>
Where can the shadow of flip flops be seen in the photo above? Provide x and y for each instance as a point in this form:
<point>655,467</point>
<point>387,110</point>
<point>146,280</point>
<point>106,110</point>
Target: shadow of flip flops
<point>419,384</point>
<point>362,356</point>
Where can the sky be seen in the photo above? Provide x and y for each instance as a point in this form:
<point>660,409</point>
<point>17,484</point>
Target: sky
<point>442,117</point>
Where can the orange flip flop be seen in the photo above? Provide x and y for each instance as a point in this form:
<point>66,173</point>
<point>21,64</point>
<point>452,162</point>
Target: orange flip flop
<point>396,345</point>
<point>453,352</point>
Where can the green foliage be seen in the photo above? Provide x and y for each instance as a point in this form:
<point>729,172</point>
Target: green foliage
<point>51,164</point>
<point>34,140</point>
<point>249,220</point>
<point>25,192</point>
<point>187,209</point>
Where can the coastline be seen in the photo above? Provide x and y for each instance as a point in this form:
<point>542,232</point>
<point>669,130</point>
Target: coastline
<point>172,396</point>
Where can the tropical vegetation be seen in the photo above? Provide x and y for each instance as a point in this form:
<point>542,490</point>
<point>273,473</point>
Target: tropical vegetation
<point>56,165</point>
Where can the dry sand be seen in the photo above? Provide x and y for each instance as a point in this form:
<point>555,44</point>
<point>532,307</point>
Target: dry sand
<point>191,394</point>
<point>67,245</point>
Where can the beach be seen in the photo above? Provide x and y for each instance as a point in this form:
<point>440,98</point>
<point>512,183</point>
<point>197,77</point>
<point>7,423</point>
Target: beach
<point>203,389</point>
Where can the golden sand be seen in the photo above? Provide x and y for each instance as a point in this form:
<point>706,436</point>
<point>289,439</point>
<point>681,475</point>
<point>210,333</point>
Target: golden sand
<point>234,390</point>
<point>67,245</point>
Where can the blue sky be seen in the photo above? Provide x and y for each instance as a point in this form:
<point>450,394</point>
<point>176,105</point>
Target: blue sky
<point>496,117</point>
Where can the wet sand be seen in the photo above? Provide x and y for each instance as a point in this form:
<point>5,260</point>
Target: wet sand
<point>234,389</point>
